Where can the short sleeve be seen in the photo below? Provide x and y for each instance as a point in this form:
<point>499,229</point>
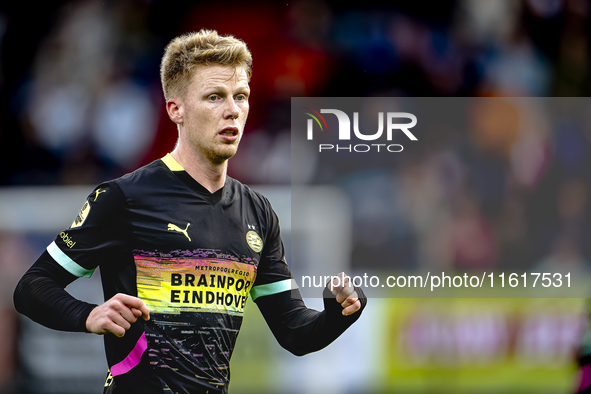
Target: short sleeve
<point>96,232</point>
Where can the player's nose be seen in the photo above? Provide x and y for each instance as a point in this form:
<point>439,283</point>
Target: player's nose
<point>232,111</point>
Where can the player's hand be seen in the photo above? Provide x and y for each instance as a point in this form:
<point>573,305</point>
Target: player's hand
<point>345,294</point>
<point>116,315</point>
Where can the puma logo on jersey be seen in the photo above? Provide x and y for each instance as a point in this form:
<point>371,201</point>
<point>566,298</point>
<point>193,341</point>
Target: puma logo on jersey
<point>174,227</point>
<point>99,191</point>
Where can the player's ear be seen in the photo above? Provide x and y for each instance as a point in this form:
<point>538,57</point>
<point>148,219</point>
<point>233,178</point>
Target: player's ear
<point>175,110</point>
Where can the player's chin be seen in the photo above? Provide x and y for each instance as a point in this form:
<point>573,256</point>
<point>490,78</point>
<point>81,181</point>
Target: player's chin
<point>224,152</point>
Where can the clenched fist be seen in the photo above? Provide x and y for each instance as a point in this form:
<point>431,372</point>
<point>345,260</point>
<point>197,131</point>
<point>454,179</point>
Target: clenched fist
<point>116,315</point>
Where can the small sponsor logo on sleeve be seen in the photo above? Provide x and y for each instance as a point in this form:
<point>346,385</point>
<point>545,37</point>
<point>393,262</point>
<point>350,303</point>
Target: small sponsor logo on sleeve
<point>67,240</point>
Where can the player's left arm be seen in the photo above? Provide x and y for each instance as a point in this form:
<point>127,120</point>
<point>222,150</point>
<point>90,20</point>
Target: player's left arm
<point>297,328</point>
<point>302,330</point>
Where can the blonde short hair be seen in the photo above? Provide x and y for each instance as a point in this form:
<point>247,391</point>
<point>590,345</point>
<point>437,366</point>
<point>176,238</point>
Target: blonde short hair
<point>203,48</point>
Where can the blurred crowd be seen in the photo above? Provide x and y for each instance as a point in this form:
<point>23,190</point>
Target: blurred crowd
<point>492,184</point>
<point>81,97</point>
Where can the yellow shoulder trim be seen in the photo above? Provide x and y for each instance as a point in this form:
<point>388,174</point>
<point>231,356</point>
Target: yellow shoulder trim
<point>171,163</point>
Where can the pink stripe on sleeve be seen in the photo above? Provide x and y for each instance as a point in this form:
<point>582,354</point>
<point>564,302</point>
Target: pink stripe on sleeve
<point>132,359</point>
<point>585,375</point>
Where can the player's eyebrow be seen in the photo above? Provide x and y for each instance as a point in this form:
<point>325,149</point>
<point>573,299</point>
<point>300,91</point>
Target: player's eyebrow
<point>215,88</point>
<point>222,88</point>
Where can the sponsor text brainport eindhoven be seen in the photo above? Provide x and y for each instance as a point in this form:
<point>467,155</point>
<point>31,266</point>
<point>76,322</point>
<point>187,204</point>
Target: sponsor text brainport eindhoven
<point>441,281</point>
<point>344,133</point>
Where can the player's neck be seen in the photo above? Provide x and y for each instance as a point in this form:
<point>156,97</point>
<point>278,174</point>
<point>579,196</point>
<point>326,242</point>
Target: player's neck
<point>211,176</point>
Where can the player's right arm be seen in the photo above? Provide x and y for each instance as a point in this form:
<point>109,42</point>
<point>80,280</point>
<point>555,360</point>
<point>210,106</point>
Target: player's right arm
<point>41,295</point>
<point>97,232</point>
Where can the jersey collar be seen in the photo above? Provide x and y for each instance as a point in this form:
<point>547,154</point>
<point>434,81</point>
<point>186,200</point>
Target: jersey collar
<point>171,163</point>
<point>191,183</point>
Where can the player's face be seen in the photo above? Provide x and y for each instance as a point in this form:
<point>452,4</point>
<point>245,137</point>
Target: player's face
<point>215,111</point>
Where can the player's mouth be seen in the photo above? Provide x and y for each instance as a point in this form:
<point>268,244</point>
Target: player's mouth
<point>229,134</point>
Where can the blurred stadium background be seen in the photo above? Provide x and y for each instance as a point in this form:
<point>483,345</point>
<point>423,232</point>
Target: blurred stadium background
<point>80,102</point>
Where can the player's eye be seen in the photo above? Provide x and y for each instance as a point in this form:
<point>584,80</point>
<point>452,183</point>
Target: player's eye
<point>241,97</point>
<point>213,97</point>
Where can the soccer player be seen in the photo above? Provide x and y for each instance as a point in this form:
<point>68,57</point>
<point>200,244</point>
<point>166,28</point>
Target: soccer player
<point>181,246</point>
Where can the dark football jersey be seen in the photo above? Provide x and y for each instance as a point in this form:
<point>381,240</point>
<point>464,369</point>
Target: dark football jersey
<point>193,257</point>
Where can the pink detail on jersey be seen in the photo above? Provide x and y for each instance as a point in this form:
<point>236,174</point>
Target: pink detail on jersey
<point>132,359</point>
<point>585,372</point>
